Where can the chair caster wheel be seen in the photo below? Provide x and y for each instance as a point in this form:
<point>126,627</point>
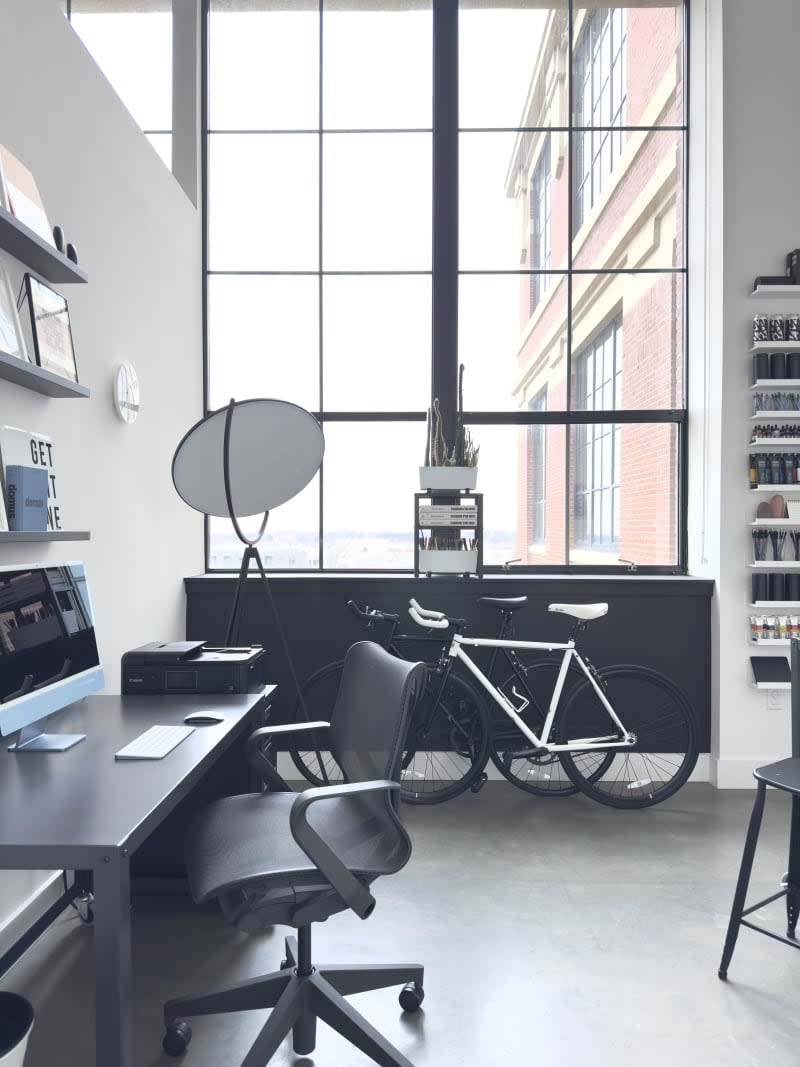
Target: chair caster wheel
<point>177,1038</point>
<point>722,975</point>
<point>411,997</point>
<point>479,783</point>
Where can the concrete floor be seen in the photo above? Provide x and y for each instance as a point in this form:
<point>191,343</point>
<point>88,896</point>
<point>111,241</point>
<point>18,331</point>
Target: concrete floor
<point>554,932</point>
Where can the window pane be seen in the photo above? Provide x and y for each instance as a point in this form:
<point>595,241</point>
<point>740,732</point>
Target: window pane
<point>631,213</point>
<point>625,507</point>
<point>512,202</point>
<point>367,59</point>
<point>376,201</point>
<point>519,482</point>
<point>370,477</point>
<point>628,63</point>
<point>263,202</point>
<point>366,366</point>
<point>263,66</point>
<point>506,59</point>
<point>510,355</point>
<point>291,540</point>
<point>119,41</point>
<point>263,339</point>
<point>647,311</point>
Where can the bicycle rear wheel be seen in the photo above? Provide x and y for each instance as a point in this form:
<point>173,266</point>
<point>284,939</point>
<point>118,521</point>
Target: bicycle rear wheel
<point>309,749</point>
<point>663,722</point>
<point>509,748</point>
<point>447,745</point>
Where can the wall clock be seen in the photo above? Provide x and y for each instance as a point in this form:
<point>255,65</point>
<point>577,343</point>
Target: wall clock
<point>126,392</point>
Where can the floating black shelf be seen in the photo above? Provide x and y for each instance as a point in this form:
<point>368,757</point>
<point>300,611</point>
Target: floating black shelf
<point>20,372</point>
<point>28,247</point>
<point>19,536</point>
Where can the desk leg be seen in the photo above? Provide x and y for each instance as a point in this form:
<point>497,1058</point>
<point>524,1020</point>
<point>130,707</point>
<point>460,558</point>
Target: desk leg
<point>112,962</point>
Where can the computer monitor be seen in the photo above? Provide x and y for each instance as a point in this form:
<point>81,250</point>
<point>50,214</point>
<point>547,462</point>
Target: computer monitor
<point>48,651</point>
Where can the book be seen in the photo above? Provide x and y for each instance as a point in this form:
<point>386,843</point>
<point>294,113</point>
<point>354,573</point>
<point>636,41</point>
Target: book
<point>25,448</point>
<point>22,196</point>
<point>26,496</point>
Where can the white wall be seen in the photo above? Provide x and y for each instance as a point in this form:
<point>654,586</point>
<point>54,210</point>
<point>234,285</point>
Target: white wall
<point>138,237</point>
<point>754,183</point>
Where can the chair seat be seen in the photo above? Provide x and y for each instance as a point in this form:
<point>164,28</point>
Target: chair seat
<point>785,774</point>
<point>241,850</point>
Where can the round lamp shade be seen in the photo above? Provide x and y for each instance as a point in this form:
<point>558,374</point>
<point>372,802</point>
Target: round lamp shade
<point>275,450</point>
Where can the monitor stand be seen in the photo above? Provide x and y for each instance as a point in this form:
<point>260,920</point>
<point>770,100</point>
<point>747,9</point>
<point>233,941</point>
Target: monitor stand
<point>32,738</point>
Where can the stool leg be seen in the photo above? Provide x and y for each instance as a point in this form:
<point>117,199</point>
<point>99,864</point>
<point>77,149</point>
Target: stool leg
<point>793,874</point>
<point>744,879</point>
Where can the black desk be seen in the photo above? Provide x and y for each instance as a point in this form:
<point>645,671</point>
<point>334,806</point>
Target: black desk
<point>84,811</point>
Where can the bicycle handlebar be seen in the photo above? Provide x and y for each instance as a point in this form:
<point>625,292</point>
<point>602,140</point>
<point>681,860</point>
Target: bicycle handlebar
<point>370,614</point>
<point>440,623</point>
<point>424,612</point>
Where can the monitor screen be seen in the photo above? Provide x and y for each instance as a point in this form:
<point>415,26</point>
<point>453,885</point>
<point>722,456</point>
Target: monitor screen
<point>48,650</point>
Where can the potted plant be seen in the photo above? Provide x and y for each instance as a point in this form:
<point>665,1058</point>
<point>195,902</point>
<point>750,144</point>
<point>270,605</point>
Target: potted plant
<point>450,470</point>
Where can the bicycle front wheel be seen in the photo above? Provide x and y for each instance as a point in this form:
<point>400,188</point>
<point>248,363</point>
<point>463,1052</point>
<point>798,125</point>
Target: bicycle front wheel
<point>309,748</point>
<point>652,709</point>
<point>447,745</point>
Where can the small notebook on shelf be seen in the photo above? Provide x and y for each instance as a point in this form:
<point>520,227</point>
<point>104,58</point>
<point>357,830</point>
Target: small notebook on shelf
<point>770,669</point>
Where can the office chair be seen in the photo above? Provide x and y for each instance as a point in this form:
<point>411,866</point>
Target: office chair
<point>285,858</point>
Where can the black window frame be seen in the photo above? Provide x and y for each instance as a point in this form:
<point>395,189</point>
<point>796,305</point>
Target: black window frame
<point>445,276</point>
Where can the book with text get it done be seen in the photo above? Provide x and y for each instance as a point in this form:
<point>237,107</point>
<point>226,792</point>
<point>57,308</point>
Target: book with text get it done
<point>26,498</point>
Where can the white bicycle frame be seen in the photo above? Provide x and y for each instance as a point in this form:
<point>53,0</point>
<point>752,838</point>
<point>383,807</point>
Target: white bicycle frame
<point>439,621</point>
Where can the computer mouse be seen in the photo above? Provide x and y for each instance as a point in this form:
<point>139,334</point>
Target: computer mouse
<point>203,718</point>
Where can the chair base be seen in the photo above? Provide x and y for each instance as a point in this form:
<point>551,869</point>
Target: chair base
<point>298,1000</point>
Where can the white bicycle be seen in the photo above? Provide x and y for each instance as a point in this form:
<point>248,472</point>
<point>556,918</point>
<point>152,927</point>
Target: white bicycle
<point>625,735</point>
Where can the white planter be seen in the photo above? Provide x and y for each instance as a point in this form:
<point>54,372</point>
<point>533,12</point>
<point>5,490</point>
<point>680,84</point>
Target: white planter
<point>448,478</point>
<point>448,561</point>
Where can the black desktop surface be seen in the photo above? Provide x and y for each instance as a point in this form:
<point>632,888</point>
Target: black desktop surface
<point>84,798</point>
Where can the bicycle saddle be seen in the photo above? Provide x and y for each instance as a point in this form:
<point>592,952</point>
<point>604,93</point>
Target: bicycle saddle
<point>505,603</point>
<point>580,611</point>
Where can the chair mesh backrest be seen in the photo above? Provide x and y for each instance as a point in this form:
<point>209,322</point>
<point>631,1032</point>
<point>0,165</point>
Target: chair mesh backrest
<point>370,718</point>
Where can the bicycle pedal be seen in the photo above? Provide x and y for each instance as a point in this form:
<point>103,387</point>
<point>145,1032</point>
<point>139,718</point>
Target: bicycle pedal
<point>479,783</point>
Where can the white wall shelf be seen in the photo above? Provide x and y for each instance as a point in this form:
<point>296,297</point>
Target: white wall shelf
<point>775,565</point>
<point>777,290</point>
<point>769,444</point>
<point>774,604</point>
<point>776,346</point>
<point>787,524</point>
<point>772,685</point>
<point>762,641</point>
<point>776,487</point>
<point>772,416</point>
<point>790,384</point>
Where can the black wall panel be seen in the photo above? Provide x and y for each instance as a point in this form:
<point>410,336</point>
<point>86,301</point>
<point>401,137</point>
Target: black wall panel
<point>663,623</point>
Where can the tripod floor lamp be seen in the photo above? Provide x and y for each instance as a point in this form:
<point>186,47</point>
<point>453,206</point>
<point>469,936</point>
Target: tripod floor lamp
<point>245,460</point>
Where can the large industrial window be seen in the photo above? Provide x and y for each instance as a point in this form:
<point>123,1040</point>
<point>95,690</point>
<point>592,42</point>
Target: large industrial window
<point>131,42</point>
<point>396,187</point>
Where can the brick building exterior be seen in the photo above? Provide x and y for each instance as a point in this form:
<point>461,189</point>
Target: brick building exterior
<point>626,336</point>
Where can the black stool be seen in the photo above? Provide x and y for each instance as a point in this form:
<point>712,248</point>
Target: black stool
<point>783,775</point>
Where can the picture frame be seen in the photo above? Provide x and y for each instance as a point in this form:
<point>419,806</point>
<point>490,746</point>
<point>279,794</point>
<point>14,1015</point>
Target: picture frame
<point>12,342</point>
<point>51,329</point>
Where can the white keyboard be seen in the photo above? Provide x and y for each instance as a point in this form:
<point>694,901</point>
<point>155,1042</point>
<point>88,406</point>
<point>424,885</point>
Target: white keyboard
<point>154,743</point>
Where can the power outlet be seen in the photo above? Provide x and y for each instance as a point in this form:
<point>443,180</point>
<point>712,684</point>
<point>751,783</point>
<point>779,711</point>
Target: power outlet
<point>776,699</point>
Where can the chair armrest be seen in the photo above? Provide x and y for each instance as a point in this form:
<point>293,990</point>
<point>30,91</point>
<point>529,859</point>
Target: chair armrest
<point>258,759</point>
<point>355,895</point>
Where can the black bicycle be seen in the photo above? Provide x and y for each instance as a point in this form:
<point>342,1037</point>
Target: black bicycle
<point>447,745</point>
<point>451,735</point>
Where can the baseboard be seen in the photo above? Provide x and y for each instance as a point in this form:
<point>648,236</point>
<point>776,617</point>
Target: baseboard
<point>738,773</point>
